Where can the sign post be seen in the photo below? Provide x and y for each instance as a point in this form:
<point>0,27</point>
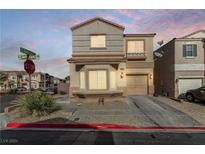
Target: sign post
<point>29,65</point>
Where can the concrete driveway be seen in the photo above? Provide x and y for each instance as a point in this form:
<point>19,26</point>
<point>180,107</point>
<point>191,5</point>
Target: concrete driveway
<point>152,112</point>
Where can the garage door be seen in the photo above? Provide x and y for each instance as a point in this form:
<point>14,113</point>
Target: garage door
<point>137,85</point>
<point>187,84</point>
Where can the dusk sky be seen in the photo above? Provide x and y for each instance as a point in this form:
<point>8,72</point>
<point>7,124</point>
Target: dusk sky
<point>47,32</point>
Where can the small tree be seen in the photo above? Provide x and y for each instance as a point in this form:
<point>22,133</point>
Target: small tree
<point>3,78</point>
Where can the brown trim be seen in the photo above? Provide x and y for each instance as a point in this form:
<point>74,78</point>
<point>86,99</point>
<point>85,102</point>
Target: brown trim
<point>94,19</point>
<point>94,54</point>
<point>98,48</point>
<point>140,35</point>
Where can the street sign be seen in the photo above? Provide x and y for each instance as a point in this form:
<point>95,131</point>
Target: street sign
<point>29,66</point>
<point>24,57</point>
<point>26,51</point>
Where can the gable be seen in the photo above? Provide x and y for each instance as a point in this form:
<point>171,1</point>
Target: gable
<point>197,34</point>
<point>95,27</point>
<point>99,19</point>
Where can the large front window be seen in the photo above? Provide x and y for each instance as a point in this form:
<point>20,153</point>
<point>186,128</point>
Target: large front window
<point>97,79</point>
<point>97,41</point>
<point>135,46</point>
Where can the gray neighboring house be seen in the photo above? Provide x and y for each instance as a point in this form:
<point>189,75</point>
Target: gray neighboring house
<point>107,62</point>
<point>182,66</point>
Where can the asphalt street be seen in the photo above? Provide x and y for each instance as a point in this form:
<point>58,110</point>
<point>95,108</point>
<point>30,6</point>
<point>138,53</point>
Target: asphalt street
<point>39,137</point>
<point>5,101</point>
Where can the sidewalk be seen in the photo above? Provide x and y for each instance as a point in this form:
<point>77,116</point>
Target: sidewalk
<point>4,119</point>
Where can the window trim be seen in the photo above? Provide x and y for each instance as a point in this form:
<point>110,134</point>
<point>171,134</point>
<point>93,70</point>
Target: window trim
<point>107,79</point>
<point>127,40</point>
<point>98,47</point>
<point>192,56</point>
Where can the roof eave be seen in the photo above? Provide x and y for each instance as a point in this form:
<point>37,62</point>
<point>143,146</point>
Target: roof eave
<point>96,18</point>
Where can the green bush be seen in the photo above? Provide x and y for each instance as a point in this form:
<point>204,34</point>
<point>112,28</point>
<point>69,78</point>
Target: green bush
<point>36,104</point>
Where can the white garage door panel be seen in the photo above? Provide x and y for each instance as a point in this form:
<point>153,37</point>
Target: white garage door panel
<point>187,84</point>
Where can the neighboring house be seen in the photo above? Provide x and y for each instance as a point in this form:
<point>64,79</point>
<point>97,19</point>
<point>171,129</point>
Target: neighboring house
<point>107,62</point>
<point>61,86</point>
<point>39,80</point>
<point>14,79</point>
<point>182,66</point>
<point>17,79</point>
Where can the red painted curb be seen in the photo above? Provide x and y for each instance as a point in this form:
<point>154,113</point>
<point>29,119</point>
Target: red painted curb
<point>98,126</point>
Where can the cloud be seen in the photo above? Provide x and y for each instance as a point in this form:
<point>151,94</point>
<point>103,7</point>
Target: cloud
<point>51,63</point>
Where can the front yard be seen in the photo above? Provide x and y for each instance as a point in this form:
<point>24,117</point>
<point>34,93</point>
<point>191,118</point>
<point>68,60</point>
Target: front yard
<point>140,111</point>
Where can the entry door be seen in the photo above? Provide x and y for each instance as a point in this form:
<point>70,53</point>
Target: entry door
<point>137,85</point>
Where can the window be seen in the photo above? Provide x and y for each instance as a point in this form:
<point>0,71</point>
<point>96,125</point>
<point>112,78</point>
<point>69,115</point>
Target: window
<point>112,80</point>
<point>82,80</point>
<point>189,50</point>
<point>97,41</point>
<point>97,79</point>
<point>135,46</point>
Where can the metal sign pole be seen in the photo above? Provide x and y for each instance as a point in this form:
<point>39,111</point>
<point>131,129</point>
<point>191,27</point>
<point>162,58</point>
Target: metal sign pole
<point>29,75</point>
<point>29,66</point>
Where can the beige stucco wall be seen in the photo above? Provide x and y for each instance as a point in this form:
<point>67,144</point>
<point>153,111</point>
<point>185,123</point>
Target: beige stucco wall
<point>179,59</point>
<point>81,37</point>
<point>148,46</point>
<point>142,66</point>
<point>75,76</point>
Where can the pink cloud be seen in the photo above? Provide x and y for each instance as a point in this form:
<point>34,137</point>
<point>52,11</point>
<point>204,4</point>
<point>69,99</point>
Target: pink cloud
<point>51,63</point>
<point>129,13</point>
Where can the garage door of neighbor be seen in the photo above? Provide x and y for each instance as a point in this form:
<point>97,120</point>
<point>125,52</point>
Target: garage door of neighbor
<point>137,85</point>
<point>187,84</point>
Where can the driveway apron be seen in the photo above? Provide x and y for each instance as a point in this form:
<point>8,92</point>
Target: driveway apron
<point>155,113</point>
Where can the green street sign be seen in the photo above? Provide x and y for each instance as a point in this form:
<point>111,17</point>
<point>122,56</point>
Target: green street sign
<point>26,51</point>
<point>24,57</point>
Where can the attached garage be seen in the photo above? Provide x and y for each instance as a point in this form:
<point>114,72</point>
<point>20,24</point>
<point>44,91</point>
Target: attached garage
<point>187,84</point>
<point>137,84</point>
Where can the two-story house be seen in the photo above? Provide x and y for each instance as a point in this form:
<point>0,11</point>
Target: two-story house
<point>182,65</point>
<point>107,62</point>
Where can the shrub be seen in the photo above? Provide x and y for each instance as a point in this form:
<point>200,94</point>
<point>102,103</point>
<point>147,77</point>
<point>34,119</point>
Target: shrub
<point>35,103</point>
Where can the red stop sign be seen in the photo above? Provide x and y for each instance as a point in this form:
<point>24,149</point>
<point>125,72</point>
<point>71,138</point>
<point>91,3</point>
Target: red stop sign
<point>29,66</point>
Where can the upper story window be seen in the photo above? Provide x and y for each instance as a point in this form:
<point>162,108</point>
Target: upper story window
<point>98,41</point>
<point>189,50</point>
<point>135,46</point>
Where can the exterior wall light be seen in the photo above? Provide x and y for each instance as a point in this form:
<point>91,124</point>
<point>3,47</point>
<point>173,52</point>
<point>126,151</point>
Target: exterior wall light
<point>121,75</point>
<point>150,76</point>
